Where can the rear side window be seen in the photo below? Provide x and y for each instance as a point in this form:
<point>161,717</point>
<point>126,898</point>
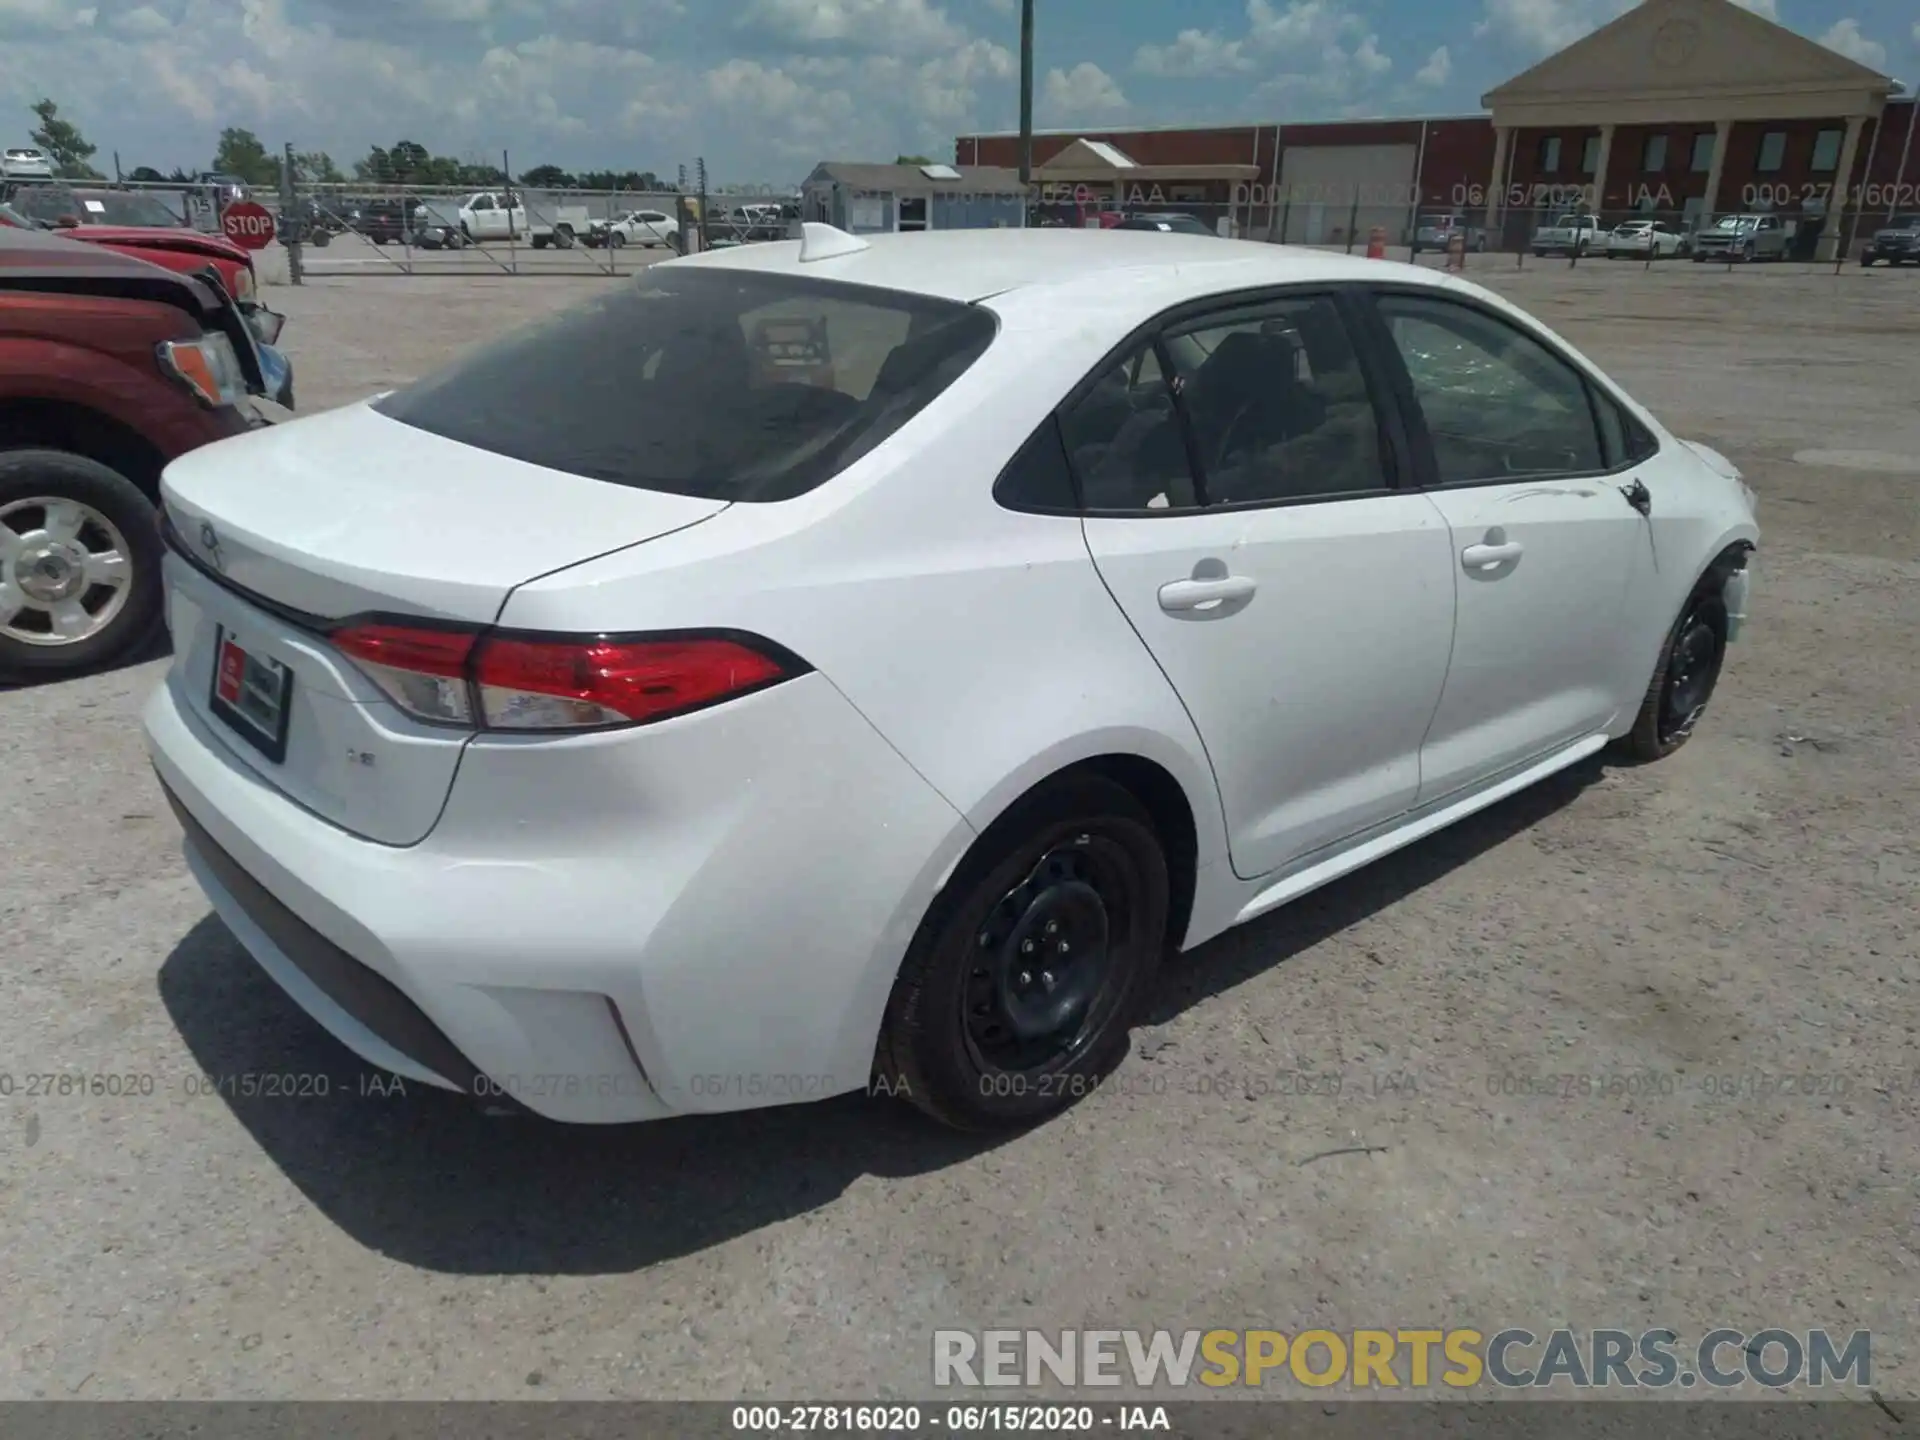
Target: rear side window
<point>1038,477</point>
<point>727,385</point>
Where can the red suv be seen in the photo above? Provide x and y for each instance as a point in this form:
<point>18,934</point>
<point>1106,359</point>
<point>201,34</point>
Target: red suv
<point>109,368</point>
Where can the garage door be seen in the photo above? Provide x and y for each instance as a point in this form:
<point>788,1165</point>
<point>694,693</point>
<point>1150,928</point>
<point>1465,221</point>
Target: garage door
<point>1330,190</point>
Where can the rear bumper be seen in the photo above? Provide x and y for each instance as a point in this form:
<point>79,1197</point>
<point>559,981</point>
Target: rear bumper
<point>703,915</point>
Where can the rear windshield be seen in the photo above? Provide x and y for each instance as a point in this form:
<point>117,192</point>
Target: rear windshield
<point>723,384</point>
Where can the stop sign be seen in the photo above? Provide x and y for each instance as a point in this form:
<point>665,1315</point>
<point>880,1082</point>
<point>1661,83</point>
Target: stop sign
<point>248,225</point>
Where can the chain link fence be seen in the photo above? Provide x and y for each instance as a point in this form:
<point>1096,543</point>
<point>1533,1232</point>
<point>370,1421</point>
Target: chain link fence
<point>1362,219</point>
<point>358,228</point>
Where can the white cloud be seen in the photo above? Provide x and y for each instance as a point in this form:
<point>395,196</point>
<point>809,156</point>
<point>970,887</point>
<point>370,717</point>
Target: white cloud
<point>1538,27</point>
<point>1001,7</point>
<point>894,27</point>
<point>1193,53</point>
<point>587,84</point>
<point>1311,52</point>
<point>56,16</point>
<point>1438,69</point>
<point>142,20</point>
<point>1086,90</point>
<point>1844,37</point>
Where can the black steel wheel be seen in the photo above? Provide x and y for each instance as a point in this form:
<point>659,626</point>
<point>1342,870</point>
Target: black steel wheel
<point>1684,680</point>
<point>1017,992</point>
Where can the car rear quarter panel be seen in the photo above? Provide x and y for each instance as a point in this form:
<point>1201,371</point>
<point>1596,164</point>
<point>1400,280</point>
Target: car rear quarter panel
<point>978,641</point>
<point>99,353</point>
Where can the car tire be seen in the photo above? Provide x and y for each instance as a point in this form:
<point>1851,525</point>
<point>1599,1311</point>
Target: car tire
<point>539,242</point>
<point>617,239</point>
<point>1684,680</point>
<point>116,517</point>
<point>563,237</point>
<point>1075,861</point>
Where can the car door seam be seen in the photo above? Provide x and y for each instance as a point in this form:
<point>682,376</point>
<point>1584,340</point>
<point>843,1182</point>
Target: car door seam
<point>1199,735</point>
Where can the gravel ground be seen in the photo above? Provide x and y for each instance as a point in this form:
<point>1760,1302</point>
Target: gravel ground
<point>1745,909</point>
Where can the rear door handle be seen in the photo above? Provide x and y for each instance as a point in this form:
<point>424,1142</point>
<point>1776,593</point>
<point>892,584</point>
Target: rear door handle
<point>1178,595</point>
<point>1481,557</point>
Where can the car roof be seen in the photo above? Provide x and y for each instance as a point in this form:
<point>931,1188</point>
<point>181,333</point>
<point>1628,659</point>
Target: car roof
<point>969,265</point>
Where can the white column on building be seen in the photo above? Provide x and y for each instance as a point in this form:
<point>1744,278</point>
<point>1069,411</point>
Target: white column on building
<point>1497,185</point>
<point>1722,132</point>
<point>1836,228</point>
<point>1600,169</point>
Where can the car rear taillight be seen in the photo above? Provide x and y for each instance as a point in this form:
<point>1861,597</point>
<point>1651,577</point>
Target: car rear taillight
<point>422,671</point>
<point>534,683</point>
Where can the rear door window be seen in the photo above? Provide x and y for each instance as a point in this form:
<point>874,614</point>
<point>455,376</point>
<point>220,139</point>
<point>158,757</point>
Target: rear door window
<point>728,385</point>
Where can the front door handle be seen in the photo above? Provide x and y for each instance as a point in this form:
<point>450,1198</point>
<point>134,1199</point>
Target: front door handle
<point>1192,594</point>
<point>1483,557</point>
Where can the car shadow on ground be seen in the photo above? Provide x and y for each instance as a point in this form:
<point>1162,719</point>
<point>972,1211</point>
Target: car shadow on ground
<point>434,1180</point>
<point>158,648</point>
<point>1251,949</point>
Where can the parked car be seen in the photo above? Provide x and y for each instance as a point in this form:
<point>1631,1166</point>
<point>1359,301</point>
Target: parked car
<point>846,711</point>
<point>1436,232</point>
<point>384,222</point>
<point>309,222</point>
<point>142,225</point>
<point>24,162</point>
<point>1742,237</point>
<point>1641,239</point>
<point>1568,235</point>
<point>504,215</point>
<point>222,189</point>
<point>437,227</point>
<point>1166,222</point>
<point>1895,243</point>
<point>636,227</point>
<point>109,368</point>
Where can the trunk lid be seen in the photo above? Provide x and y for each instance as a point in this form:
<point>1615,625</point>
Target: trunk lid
<point>350,514</point>
<point>348,511</point>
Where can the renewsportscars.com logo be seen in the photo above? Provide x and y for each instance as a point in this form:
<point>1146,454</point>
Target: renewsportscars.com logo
<point>1381,1360</point>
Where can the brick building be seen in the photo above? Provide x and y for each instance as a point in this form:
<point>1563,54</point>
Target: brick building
<point>1686,108</point>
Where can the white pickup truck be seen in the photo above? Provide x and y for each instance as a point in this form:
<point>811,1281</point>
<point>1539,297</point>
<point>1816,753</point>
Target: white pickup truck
<point>504,215</point>
<point>1569,235</point>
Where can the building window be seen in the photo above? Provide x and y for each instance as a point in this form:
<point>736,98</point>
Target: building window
<point>1590,155</point>
<point>1773,152</point>
<point>1703,152</point>
<point>1654,156</point>
<point>1549,154</point>
<point>1826,150</point>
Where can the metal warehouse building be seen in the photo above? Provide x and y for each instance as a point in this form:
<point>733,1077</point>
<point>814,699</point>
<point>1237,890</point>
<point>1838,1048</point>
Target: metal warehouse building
<point>1690,108</point>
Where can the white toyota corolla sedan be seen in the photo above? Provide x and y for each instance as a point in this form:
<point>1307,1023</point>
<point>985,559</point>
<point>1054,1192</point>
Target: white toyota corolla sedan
<point>836,659</point>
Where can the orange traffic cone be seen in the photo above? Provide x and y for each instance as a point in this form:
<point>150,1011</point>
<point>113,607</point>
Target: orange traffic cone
<point>1377,243</point>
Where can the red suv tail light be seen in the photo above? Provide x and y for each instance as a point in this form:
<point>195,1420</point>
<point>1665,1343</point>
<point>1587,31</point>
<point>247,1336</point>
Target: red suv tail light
<point>540,682</point>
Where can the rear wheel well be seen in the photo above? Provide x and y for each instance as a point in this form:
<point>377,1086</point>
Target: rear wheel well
<point>61,425</point>
<point>1156,789</point>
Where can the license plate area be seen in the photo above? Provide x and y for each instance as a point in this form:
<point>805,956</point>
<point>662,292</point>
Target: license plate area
<point>250,693</point>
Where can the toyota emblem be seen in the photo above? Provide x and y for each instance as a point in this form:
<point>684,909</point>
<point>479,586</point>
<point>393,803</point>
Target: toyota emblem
<point>210,542</point>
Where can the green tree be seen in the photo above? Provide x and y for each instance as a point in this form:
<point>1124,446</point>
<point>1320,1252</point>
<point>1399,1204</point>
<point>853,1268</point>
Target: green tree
<point>146,175</point>
<point>316,167</point>
<point>242,154</point>
<point>547,177</point>
<point>65,145</point>
<point>912,160</point>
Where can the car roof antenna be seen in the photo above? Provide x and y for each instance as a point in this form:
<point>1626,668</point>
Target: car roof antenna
<point>824,242</point>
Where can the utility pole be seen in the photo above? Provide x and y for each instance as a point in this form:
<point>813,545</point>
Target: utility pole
<point>1026,93</point>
